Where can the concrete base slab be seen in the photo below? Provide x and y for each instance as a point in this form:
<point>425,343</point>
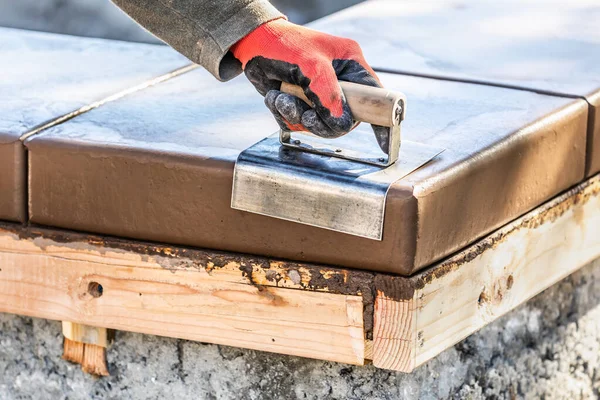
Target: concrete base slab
<point>158,166</point>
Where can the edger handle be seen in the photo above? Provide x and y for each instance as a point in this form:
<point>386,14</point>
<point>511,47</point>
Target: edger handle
<point>369,104</point>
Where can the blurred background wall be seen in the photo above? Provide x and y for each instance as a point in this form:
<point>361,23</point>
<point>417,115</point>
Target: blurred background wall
<point>100,18</point>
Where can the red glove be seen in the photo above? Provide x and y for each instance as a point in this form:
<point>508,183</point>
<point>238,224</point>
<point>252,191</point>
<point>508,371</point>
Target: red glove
<point>279,51</point>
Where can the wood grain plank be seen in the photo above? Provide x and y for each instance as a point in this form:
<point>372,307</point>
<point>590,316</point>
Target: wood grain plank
<point>394,333</point>
<point>459,296</point>
<point>43,278</point>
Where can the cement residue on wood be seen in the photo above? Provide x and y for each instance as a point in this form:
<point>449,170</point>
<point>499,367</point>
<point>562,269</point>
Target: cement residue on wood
<point>549,347</point>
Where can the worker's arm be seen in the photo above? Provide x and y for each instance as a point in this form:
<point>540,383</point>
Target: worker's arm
<point>226,36</point>
<point>202,30</point>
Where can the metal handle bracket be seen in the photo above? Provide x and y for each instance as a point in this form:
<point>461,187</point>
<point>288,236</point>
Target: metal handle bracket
<point>394,142</point>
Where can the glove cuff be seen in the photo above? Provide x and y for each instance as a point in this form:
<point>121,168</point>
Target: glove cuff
<point>260,38</point>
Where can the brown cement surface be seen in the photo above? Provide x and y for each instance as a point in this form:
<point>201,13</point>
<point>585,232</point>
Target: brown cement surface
<point>13,167</point>
<point>520,44</point>
<point>158,165</point>
<point>45,76</point>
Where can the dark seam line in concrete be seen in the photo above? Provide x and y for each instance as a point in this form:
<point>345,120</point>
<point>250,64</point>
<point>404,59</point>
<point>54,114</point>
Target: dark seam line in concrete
<point>478,82</point>
<point>89,107</point>
<point>590,139</point>
<point>26,190</point>
<point>111,98</point>
<point>589,130</point>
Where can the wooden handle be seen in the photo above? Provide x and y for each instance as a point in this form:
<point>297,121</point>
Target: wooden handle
<point>375,106</point>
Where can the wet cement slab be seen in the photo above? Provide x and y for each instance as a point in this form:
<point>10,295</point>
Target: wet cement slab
<point>44,76</point>
<point>158,165</point>
<point>553,48</point>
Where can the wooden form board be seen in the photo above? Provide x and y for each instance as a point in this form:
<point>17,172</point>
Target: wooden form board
<point>292,308</point>
<point>191,298</point>
<point>418,318</point>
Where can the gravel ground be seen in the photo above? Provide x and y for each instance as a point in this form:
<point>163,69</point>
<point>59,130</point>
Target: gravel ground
<point>548,348</point>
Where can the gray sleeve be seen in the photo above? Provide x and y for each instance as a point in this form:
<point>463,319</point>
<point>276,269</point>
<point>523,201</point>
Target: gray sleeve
<point>202,30</point>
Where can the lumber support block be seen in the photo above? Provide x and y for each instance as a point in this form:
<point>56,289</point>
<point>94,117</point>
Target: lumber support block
<point>287,307</point>
<point>85,334</point>
<point>86,345</point>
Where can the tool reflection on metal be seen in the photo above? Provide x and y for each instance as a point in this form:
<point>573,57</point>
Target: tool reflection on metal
<point>341,187</point>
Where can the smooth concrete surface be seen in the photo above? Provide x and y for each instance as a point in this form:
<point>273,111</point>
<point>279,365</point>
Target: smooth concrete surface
<point>158,165</point>
<point>547,348</point>
<point>532,44</point>
<point>44,76</point>
<point>547,47</point>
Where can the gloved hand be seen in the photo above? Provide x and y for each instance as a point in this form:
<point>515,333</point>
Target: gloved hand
<point>280,51</point>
